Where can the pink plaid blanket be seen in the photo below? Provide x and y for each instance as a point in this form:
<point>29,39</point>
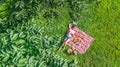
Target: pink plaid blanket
<point>79,40</point>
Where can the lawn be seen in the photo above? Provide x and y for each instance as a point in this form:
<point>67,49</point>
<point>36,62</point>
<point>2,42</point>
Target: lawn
<point>100,20</point>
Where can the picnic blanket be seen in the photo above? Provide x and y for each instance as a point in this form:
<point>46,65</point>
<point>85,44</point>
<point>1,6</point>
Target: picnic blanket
<point>79,40</point>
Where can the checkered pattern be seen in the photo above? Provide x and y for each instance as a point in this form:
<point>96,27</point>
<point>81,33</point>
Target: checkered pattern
<point>79,40</point>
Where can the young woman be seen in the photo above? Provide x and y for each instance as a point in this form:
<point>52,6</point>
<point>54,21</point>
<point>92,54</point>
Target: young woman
<point>70,27</point>
<point>68,35</point>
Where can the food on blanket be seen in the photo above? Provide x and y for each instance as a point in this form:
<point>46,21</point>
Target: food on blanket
<point>80,41</point>
<point>74,52</point>
<point>69,51</point>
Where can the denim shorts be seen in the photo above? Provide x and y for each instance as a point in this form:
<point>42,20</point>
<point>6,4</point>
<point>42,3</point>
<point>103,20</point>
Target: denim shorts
<point>66,37</point>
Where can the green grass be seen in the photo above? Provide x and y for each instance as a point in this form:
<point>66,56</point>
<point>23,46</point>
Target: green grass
<point>101,20</point>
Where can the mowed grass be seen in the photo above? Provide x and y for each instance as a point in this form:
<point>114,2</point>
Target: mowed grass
<point>101,20</point>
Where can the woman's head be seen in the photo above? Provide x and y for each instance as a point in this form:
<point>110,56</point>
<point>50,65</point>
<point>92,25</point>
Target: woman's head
<point>74,24</point>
